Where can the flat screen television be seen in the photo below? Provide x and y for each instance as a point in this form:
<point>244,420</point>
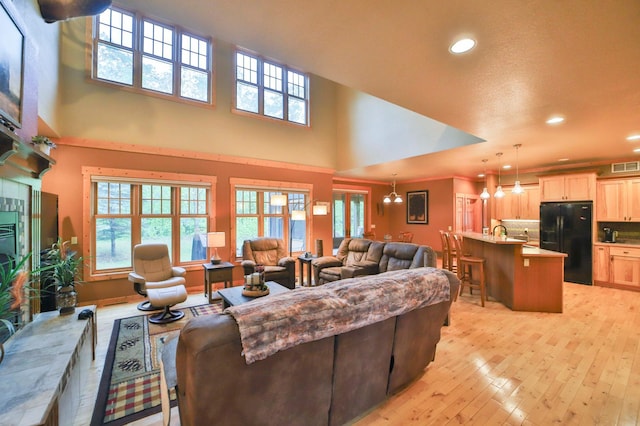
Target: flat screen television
<point>11,67</point>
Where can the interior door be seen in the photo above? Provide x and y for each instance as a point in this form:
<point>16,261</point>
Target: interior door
<point>348,216</point>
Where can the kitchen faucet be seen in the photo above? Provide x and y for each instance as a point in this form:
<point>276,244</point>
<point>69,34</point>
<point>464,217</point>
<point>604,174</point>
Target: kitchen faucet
<point>493,231</point>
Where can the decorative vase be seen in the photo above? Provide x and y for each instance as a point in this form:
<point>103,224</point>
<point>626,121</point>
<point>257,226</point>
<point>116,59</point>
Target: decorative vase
<point>45,149</point>
<point>66,299</point>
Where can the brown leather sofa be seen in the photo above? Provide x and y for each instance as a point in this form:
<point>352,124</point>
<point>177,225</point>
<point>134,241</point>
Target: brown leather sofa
<point>324,382</point>
<point>272,253</point>
<point>361,256</point>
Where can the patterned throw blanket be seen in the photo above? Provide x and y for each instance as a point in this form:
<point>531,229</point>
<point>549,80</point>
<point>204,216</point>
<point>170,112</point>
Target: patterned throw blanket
<point>275,323</point>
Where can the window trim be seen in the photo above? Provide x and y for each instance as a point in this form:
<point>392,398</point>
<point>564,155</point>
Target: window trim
<point>272,186</point>
<point>136,86</point>
<point>91,174</point>
<point>261,89</point>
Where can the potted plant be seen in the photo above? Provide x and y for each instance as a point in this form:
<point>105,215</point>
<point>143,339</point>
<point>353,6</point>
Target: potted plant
<point>43,143</point>
<point>65,271</point>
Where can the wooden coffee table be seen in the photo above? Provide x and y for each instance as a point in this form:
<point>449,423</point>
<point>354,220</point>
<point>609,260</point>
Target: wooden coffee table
<point>233,296</point>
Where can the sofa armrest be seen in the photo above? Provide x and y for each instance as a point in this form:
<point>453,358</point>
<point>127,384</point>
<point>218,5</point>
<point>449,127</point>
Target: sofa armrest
<point>136,278</point>
<point>326,262</point>
<point>178,271</point>
<point>249,266</point>
<point>286,261</point>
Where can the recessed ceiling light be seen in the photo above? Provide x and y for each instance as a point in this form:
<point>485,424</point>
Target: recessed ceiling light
<point>636,150</point>
<point>506,166</point>
<point>480,174</point>
<point>555,120</point>
<point>563,159</point>
<point>463,45</point>
<point>633,138</point>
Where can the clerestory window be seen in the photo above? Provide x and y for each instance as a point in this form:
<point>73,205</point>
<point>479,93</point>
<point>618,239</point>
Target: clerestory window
<point>270,89</point>
<point>143,54</point>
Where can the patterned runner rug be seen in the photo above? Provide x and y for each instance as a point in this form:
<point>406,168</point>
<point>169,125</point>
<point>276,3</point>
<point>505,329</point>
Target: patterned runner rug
<point>130,384</point>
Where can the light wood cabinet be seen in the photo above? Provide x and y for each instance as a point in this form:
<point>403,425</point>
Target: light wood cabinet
<point>572,187</point>
<point>625,266</point>
<point>616,266</point>
<point>519,206</point>
<point>601,263</point>
<point>618,200</point>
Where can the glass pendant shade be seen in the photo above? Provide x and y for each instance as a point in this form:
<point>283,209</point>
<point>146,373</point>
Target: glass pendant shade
<point>499,192</point>
<point>386,199</point>
<point>517,188</point>
<point>485,194</point>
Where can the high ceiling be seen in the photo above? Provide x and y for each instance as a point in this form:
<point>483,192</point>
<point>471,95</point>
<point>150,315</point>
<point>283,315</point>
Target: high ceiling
<point>533,59</point>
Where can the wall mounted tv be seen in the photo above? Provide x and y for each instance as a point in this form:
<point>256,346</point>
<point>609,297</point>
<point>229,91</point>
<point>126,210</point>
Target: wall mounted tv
<point>11,67</point>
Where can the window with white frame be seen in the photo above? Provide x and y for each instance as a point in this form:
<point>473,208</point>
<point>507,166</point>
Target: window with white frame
<point>129,212</point>
<point>270,89</point>
<point>256,217</point>
<point>138,52</point>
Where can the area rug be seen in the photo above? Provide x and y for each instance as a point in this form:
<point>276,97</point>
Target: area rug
<point>130,384</point>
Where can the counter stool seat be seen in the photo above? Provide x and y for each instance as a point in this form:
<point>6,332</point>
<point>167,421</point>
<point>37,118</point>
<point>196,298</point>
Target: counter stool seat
<point>466,265</point>
<point>167,297</point>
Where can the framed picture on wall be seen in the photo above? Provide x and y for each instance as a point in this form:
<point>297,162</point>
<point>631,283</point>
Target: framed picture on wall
<point>418,207</point>
<point>11,58</point>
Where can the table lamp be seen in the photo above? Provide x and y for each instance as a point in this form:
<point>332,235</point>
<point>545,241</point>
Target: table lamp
<point>215,240</point>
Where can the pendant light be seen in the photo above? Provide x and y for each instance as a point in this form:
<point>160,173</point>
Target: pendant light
<point>517,189</point>
<point>499,192</point>
<point>393,195</point>
<point>485,194</point>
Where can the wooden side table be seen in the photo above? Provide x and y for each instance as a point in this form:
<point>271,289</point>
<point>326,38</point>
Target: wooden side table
<point>306,260</point>
<point>216,273</point>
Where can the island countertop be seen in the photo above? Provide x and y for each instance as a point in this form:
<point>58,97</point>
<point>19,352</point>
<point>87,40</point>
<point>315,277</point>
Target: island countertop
<point>527,250</point>
<point>522,277</point>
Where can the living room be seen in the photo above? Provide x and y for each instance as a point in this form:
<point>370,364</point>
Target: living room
<point>97,127</point>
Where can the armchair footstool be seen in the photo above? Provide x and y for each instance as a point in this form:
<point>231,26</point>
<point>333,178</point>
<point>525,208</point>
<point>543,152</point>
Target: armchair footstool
<point>167,297</point>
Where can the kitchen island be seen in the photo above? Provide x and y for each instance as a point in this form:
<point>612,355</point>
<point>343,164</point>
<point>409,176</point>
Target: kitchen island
<point>522,277</point>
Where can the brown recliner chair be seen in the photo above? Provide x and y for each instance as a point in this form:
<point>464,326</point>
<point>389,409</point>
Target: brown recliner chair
<point>152,270</point>
<point>272,254</point>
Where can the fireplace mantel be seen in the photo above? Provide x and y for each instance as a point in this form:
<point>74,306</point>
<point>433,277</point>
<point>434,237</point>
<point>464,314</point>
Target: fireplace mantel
<point>14,152</point>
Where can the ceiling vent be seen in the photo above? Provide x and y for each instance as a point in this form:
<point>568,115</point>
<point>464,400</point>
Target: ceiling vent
<point>631,166</point>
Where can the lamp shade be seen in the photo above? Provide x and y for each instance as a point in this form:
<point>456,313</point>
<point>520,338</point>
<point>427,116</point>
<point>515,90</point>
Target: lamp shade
<point>215,239</point>
<point>320,210</point>
<point>278,200</point>
<point>298,215</point>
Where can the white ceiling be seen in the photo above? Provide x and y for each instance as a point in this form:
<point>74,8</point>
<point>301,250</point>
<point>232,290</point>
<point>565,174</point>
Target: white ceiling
<point>534,58</point>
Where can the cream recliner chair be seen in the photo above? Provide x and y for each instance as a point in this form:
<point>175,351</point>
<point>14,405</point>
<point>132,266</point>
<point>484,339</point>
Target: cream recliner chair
<point>155,278</point>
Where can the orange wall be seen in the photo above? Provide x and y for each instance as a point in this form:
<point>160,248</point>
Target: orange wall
<point>65,179</point>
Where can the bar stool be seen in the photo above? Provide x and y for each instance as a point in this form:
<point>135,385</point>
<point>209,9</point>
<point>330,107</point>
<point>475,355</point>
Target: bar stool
<point>466,263</point>
<point>453,252</point>
<point>445,250</point>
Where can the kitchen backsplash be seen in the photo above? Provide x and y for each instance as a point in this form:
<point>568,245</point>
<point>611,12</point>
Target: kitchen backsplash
<point>518,227</point>
<point>628,232</point>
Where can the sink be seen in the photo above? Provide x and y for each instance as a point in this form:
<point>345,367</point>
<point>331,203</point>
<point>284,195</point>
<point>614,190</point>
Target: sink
<point>519,237</point>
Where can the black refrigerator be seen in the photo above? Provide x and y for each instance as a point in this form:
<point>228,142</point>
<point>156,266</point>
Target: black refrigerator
<point>567,227</point>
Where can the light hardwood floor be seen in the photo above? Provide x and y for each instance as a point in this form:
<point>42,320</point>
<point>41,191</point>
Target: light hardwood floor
<point>496,366</point>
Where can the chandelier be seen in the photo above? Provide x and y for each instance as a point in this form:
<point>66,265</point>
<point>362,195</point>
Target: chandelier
<point>393,195</point>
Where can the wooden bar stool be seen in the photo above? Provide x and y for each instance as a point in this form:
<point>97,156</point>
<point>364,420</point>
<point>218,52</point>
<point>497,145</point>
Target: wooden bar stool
<point>445,250</point>
<point>453,252</point>
<point>466,263</point>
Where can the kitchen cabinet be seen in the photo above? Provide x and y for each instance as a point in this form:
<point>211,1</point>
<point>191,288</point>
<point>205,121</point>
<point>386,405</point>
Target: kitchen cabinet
<point>625,266</point>
<point>571,187</point>
<point>616,265</point>
<point>519,206</point>
<point>601,263</point>
<point>618,200</point>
